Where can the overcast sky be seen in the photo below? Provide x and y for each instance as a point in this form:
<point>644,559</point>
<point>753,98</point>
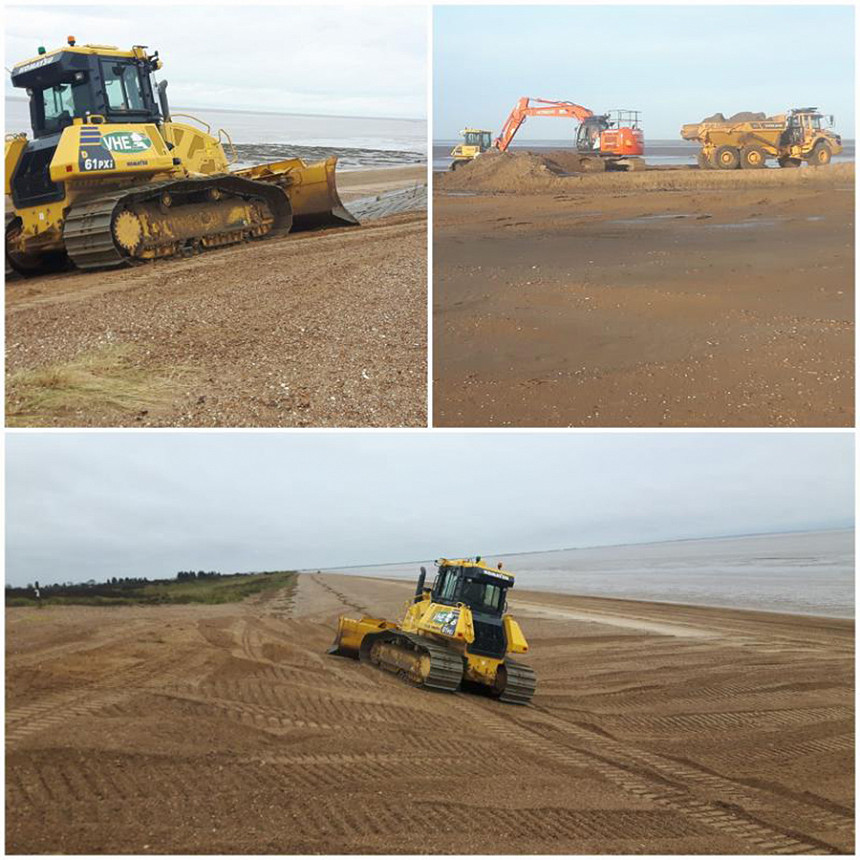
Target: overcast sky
<point>676,64</point>
<point>351,61</point>
<point>92,505</point>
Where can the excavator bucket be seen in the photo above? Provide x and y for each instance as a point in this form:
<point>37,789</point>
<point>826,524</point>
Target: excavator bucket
<point>311,188</point>
<point>350,632</point>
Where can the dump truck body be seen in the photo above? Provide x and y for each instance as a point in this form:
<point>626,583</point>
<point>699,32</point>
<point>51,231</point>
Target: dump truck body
<point>110,177</point>
<point>458,631</point>
<point>803,134</point>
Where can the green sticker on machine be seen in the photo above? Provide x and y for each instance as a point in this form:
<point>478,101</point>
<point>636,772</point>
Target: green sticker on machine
<point>126,141</point>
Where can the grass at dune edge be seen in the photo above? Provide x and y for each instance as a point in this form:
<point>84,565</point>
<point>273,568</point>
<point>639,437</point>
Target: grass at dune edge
<point>222,589</point>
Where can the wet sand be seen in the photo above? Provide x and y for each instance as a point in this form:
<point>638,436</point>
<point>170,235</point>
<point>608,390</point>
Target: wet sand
<point>666,298</point>
<point>226,729</point>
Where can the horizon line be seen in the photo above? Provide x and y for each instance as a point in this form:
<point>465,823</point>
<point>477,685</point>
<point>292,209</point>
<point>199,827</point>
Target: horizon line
<point>602,546</point>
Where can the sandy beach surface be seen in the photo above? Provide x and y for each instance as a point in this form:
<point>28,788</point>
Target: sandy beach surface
<point>226,729</point>
<point>669,297</point>
<point>312,329</point>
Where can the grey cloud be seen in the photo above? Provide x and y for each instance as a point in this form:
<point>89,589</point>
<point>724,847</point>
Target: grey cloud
<point>118,504</point>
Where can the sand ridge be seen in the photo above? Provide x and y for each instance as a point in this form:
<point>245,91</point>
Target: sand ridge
<point>227,729</point>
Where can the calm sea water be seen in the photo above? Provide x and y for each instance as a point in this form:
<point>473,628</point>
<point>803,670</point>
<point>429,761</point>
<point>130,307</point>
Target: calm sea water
<point>358,141</point>
<point>657,152</point>
<point>810,573</point>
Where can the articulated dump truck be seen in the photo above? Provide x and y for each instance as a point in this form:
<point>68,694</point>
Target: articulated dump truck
<point>110,178</point>
<point>456,632</point>
<point>748,140</point>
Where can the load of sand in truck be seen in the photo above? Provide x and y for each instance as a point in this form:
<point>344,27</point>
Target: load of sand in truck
<point>748,139</point>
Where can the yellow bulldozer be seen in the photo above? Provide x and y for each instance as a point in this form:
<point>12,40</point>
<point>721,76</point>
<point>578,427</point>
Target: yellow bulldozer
<point>110,178</point>
<point>475,142</point>
<point>456,632</point>
<point>748,141</point>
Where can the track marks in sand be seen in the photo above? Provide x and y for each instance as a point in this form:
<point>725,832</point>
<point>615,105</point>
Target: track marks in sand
<point>648,777</point>
<point>729,721</point>
<point>346,601</point>
<point>51,711</point>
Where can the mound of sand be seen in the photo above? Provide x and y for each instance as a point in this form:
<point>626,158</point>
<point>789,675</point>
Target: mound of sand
<point>528,173</point>
<point>741,116</point>
<point>516,171</point>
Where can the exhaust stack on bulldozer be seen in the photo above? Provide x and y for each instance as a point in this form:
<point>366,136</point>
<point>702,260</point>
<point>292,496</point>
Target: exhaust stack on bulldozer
<point>111,178</point>
<point>457,631</point>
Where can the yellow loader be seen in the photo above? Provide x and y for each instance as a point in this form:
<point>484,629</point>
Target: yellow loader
<point>475,142</point>
<point>457,631</point>
<point>111,179</point>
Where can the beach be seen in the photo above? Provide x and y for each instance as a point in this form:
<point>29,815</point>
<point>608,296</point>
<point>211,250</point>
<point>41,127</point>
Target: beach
<point>227,729</point>
<point>323,328</point>
<point>670,297</point>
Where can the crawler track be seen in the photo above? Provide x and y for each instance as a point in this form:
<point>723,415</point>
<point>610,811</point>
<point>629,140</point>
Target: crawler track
<point>445,669</point>
<point>521,683</point>
<point>90,235</point>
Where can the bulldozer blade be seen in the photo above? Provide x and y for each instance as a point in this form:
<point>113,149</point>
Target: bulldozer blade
<point>311,188</point>
<point>351,631</point>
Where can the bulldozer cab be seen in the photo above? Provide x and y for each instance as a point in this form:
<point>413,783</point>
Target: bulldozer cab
<point>480,588</point>
<point>478,138</point>
<point>77,83</point>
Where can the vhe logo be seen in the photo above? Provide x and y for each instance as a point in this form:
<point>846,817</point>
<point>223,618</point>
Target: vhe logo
<point>126,141</point>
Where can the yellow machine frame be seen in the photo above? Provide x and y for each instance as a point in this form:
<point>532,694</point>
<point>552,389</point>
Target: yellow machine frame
<point>94,158</point>
<point>463,152</point>
<point>452,626</point>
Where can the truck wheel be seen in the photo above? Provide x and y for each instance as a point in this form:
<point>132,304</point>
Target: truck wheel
<point>753,157</point>
<point>705,163</point>
<point>785,161</point>
<point>727,158</point>
<point>821,154</point>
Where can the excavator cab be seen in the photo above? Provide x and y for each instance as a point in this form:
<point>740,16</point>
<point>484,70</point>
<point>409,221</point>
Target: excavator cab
<point>589,133</point>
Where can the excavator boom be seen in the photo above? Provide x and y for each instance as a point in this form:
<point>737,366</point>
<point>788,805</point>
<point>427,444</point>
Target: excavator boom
<point>526,107</point>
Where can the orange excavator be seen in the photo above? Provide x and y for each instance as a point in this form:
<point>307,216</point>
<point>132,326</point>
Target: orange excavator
<point>612,140</point>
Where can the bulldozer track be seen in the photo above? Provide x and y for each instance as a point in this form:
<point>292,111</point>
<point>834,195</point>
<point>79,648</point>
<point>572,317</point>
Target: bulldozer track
<point>88,229</point>
<point>521,683</point>
<point>446,666</point>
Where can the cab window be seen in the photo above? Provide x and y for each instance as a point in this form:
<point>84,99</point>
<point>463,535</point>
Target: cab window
<point>482,596</point>
<point>449,586</point>
<point>56,106</point>
<point>56,102</point>
<point>122,87</point>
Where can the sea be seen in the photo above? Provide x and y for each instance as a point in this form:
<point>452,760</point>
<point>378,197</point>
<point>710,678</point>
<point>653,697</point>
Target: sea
<point>806,573</point>
<point>659,153</point>
<point>358,142</point>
